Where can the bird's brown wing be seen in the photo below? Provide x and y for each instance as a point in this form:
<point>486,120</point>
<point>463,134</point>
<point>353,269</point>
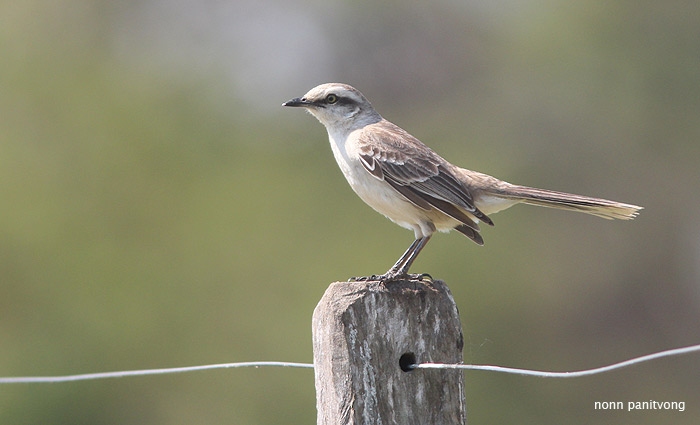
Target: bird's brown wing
<point>389,153</point>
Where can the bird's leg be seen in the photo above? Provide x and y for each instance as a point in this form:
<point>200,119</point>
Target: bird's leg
<point>399,265</point>
<point>400,269</point>
<point>392,273</point>
<point>404,263</point>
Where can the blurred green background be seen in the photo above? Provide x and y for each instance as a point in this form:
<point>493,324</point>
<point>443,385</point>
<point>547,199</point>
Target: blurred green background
<point>160,209</point>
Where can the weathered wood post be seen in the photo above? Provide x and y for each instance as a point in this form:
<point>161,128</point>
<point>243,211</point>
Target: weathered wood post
<point>365,334</point>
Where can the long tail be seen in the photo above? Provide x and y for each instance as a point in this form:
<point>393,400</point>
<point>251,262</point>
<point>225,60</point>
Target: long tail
<point>568,201</point>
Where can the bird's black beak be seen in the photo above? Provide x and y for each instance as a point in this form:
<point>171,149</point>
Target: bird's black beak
<point>297,101</point>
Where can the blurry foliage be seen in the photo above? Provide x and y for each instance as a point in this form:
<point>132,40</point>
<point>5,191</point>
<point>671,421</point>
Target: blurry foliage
<point>156,214</point>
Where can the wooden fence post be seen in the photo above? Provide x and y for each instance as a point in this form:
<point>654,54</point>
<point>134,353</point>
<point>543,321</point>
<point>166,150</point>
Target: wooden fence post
<point>364,336</point>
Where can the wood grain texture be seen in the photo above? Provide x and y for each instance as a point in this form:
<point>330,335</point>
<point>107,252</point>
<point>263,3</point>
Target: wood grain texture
<point>362,329</point>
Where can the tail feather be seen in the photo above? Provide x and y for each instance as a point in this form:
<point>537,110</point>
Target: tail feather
<point>567,201</point>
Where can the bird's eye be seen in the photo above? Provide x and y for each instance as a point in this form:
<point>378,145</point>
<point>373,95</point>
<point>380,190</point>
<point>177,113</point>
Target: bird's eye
<point>331,99</point>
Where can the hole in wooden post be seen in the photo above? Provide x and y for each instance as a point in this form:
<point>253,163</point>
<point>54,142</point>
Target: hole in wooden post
<point>406,361</point>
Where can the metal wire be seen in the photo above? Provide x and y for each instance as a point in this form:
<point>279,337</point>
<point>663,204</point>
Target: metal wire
<point>501,369</point>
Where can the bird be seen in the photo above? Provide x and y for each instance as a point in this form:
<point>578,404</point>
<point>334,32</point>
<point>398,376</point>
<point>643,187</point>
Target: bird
<point>402,178</point>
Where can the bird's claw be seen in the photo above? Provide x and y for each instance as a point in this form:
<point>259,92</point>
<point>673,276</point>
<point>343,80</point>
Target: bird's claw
<point>365,278</point>
<point>392,277</point>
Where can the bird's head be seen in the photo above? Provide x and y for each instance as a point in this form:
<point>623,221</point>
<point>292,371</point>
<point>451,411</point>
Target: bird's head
<point>337,105</point>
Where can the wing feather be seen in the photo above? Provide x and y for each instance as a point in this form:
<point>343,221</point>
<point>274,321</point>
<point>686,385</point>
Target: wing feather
<point>389,153</point>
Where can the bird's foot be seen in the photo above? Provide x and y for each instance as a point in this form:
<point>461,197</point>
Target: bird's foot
<point>392,277</point>
<point>365,278</point>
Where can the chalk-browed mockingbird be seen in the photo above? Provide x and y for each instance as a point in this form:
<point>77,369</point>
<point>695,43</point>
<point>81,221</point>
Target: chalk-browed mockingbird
<point>400,177</point>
